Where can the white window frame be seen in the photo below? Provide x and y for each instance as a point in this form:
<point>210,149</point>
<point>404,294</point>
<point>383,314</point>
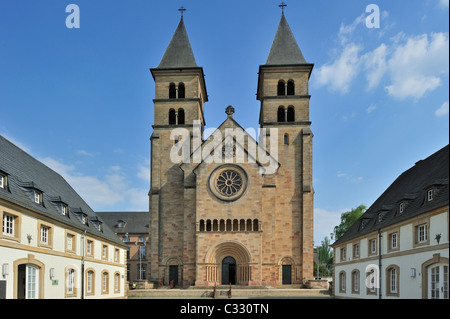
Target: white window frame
<point>394,240</point>
<point>8,224</point>
<point>69,242</point>
<point>64,209</point>
<point>89,281</point>
<point>2,181</point>
<point>430,195</point>
<point>37,197</point>
<point>422,234</point>
<point>45,233</point>
<point>31,282</point>
<point>373,246</point>
<point>393,281</point>
<point>70,281</point>
<point>401,208</point>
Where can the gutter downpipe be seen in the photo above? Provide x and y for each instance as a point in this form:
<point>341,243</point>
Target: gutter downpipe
<point>379,264</point>
<point>82,263</point>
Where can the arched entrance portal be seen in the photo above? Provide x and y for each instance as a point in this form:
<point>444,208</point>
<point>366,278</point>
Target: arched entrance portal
<point>228,271</point>
<point>228,262</point>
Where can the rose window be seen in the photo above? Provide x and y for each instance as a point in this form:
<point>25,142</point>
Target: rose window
<point>228,183</point>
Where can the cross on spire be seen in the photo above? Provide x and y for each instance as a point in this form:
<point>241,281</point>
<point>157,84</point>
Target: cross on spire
<point>182,10</point>
<point>282,6</point>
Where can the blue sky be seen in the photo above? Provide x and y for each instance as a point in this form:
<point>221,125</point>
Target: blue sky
<point>80,100</point>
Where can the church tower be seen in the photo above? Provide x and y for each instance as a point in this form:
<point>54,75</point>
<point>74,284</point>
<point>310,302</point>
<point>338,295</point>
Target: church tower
<point>180,95</point>
<point>283,90</point>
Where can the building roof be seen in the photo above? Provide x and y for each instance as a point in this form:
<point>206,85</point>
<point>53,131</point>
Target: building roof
<point>127,222</point>
<point>285,49</point>
<point>179,53</point>
<point>411,189</point>
<point>25,174</point>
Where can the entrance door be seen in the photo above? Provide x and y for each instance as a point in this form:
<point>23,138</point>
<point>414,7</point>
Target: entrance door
<point>173,275</point>
<point>27,282</point>
<point>286,275</point>
<point>228,271</point>
<point>438,282</point>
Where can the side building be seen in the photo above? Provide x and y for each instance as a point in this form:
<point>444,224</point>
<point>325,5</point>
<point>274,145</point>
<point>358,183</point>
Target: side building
<point>52,244</point>
<point>399,247</point>
<point>133,229</point>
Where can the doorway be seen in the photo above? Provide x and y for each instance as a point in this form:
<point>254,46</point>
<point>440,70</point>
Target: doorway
<point>228,271</point>
<point>27,282</point>
<point>438,282</point>
<point>286,275</point>
<point>173,275</point>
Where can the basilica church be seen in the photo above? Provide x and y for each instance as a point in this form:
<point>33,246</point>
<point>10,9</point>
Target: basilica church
<point>232,221</point>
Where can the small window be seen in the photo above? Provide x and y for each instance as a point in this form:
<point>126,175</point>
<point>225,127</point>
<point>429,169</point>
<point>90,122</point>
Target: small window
<point>430,195</point>
<point>181,91</point>
<point>105,283</point>
<point>422,235</point>
<point>281,91</point>
<point>172,117</point>
<point>105,252</point>
<point>172,91</point>
<point>373,246</point>
<point>181,117</point>
<point>37,197</point>
<point>286,139</point>
<point>89,247</point>
<point>8,225</point>
<point>291,114</point>
<point>3,180</point>
<point>401,208</point>
<point>343,254</point>
<point>45,235</point>
<point>290,88</point>
<point>64,209</point>
<point>355,250</point>
<point>281,115</point>
<point>394,240</point>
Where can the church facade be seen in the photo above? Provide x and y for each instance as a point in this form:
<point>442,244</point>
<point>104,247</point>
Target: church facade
<point>231,210</point>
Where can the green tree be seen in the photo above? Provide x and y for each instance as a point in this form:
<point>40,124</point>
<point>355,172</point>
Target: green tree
<point>325,258</point>
<point>348,219</point>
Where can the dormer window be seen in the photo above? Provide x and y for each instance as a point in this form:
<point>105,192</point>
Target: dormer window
<point>3,180</point>
<point>401,208</point>
<point>37,197</point>
<point>430,195</point>
<point>83,219</point>
<point>64,209</point>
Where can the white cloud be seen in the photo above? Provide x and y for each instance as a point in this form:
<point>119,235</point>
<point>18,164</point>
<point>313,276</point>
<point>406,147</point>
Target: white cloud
<point>416,66</point>
<point>371,108</point>
<point>85,153</point>
<point>102,193</point>
<point>339,74</point>
<point>443,110</point>
<point>375,64</point>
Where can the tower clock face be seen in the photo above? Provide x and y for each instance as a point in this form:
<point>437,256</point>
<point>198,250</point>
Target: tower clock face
<point>228,182</point>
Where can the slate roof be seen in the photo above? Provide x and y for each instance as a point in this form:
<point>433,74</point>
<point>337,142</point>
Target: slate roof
<point>285,49</point>
<point>133,222</point>
<point>179,53</point>
<point>26,174</point>
<point>410,188</point>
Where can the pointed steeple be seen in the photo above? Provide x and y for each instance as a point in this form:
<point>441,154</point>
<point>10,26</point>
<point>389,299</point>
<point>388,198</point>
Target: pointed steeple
<point>285,49</point>
<point>179,53</point>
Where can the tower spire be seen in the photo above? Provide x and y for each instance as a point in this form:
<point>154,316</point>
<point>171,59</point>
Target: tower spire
<point>182,10</point>
<point>282,6</point>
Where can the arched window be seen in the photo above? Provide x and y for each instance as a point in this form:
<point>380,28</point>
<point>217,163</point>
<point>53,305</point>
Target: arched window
<point>291,114</point>
<point>172,91</point>
<point>215,225</point>
<point>235,225</point>
<point>281,88</point>
<point>228,224</point>
<point>242,225</point>
<point>255,225</point>
<point>181,91</point>
<point>222,225</point>
<point>291,87</point>
<point>181,117</point>
<point>172,117</point>
<point>202,225</point>
<point>249,225</point>
<point>286,139</point>
<point>208,225</point>
<point>281,115</point>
